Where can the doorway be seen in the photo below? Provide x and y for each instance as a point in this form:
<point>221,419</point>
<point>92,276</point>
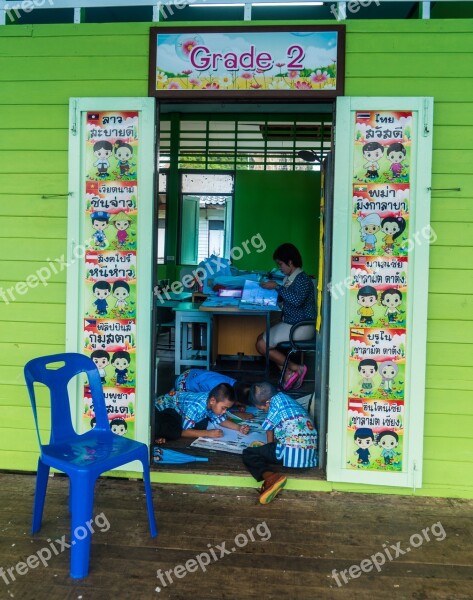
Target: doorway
<point>276,164</point>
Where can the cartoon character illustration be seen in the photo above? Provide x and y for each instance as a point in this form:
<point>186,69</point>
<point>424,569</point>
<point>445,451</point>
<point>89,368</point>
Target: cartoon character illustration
<point>122,222</point>
<point>123,153</point>
<point>101,290</point>
<point>367,297</point>
<point>372,152</point>
<point>393,227</point>
<point>396,153</point>
<point>102,359</point>
<point>388,440</point>
<point>367,369</point>
<point>100,220</point>
<point>121,290</point>
<point>364,438</point>
<point>121,362</point>
<point>391,298</point>
<point>102,150</point>
<point>118,426</point>
<point>369,227</point>
<point>388,371</point>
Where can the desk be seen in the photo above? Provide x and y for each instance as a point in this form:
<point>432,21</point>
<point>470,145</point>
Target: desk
<point>234,330</point>
<point>189,313</point>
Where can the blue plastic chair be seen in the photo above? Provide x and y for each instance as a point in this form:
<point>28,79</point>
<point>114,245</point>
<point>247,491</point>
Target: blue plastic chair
<point>82,457</point>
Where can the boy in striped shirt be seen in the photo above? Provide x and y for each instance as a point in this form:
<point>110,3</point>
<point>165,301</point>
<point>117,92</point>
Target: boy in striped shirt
<point>292,440</point>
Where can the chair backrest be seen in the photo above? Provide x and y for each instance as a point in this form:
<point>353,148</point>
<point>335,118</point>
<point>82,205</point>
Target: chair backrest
<point>56,377</point>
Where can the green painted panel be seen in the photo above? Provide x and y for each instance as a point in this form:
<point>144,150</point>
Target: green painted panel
<point>35,184</point>
<point>450,331</point>
<point>19,461</point>
<point>33,313</point>
<point>451,209</point>
<point>452,161</point>
<point>456,355</point>
<point>430,65</point>
<point>451,137</point>
<point>42,227</point>
<point>17,395</point>
<point>263,203</point>
<point>449,426</point>
<point>130,45</point>
<point>410,86</point>
<point>24,249</point>
<point>21,418</point>
<point>446,472</point>
<point>453,111</point>
<point>453,234</point>
<point>59,92</point>
<point>443,257</point>
<point>20,440</point>
<point>22,140</point>
<point>412,43</point>
<point>12,376</point>
<point>30,117</point>
<point>33,162</point>
<point>450,449</point>
<point>443,281</point>
<point>52,69</point>
<point>461,180</point>
<point>18,271</point>
<point>20,354</point>
<point>32,206</point>
<point>19,291</point>
<point>24,333</point>
<point>448,306</point>
<point>450,401</point>
<point>450,378</point>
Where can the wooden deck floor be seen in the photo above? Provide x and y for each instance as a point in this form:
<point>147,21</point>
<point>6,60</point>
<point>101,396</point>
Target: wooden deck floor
<point>310,535</point>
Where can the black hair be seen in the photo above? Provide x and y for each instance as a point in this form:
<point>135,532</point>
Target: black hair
<point>118,422</point>
<point>391,291</point>
<point>366,291</point>
<point>120,144</point>
<point>368,362</point>
<point>103,144</point>
<point>120,354</point>
<point>387,432</point>
<point>222,392</point>
<point>401,223</point>
<point>101,285</point>
<point>100,354</point>
<point>260,393</point>
<point>288,252</point>
<point>242,392</point>
<point>364,433</point>
<point>370,146</point>
<point>397,147</point>
<point>120,283</point>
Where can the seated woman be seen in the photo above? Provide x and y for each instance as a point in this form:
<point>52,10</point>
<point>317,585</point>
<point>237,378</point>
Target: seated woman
<point>298,304</point>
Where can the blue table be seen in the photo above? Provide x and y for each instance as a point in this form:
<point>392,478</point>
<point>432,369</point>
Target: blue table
<point>187,314</point>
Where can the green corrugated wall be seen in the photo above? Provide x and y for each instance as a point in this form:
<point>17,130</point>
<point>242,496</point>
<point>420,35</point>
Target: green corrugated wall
<point>42,66</point>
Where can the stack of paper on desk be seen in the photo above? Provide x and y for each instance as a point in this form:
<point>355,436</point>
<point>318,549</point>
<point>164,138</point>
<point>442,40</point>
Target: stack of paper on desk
<point>254,294</point>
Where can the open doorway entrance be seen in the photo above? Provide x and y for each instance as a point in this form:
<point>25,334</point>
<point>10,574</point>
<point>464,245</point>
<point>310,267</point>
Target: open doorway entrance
<point>272,157</point>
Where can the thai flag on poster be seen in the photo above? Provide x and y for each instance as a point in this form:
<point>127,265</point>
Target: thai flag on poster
<point>363,115</point>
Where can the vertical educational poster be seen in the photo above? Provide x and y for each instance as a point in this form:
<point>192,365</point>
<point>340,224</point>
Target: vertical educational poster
<point>110,262</point>
<point>378,290</point>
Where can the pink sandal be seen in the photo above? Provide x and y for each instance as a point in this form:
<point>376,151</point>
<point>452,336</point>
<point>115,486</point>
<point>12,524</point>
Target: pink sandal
<point>290,382</point>
<point>300,378</point>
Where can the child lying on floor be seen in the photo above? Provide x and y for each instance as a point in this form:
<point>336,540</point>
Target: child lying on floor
<point>198,380</point>
<point>186,414</point>
<point>295,445</point>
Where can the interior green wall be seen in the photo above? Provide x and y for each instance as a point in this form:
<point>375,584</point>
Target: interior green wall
<point>281,206</point>
<point>42,66</point>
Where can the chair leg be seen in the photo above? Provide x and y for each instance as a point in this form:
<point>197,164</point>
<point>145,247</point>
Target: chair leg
<point>82,493</point>
<point>283,372</point>
<point>39,495</point>
<point>149,499</point>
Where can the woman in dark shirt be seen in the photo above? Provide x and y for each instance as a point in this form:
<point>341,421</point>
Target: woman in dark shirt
<point>298,304</point>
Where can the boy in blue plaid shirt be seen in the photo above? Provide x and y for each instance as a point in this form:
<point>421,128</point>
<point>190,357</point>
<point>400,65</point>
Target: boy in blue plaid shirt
<point>187,414</point>
<point>292,440</point>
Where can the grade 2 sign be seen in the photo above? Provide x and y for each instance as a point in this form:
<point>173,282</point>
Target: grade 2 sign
<point>240,61</point>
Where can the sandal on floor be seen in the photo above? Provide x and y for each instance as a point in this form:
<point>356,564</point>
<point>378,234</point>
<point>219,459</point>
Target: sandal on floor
<point>271,488</point>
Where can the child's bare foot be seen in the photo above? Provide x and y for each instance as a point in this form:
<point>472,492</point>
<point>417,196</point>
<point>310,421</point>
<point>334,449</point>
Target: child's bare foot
<point>160,441</point>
